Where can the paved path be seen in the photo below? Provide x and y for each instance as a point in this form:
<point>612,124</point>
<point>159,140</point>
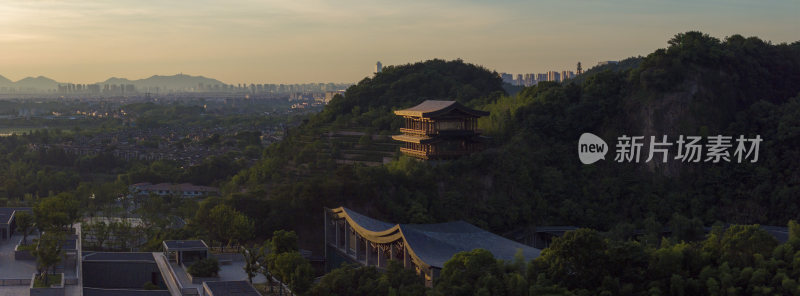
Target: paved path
<point>14,269</point>
<point>23,269</point>
<point>24,290</point>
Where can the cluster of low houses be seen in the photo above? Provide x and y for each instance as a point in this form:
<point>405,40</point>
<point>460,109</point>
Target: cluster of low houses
<point>125,144</point>
<point>164,189</point>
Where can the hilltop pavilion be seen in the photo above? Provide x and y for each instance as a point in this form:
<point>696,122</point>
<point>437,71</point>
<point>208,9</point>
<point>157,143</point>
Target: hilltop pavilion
<point>440,130</point>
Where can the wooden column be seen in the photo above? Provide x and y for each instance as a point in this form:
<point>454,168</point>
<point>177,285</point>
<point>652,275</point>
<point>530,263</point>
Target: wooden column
<point>346,238</point>
<point>367,252</point>
<point>381,260</point>
<point>337,232</point>
<point>428,278</point>
<point>359,248</point>
<point>327,224</point>
<point>406,257</point>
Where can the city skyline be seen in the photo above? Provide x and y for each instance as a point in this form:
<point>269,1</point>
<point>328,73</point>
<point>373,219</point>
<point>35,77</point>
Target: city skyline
<point>200,75</point>
<point>83,41</point>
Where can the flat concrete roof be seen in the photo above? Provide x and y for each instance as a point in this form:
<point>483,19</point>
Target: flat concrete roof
<point>185,245</point>
<point>123,292</point>
<point>15,269</point>
<point>234,288</point>
<point>119,257</point>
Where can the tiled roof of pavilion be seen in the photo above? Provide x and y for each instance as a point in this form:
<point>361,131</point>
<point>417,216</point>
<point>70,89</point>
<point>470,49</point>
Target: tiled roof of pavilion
<point>432,108</point>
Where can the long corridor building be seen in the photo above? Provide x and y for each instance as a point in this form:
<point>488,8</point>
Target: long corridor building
<point>352,237</point>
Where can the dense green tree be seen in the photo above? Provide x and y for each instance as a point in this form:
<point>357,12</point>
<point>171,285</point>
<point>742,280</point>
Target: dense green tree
<point>252,259</point>
<point>100,232</point>
<point>264,262</point>
<point>228,225</point>
<point>739,244</point>
<point>208,267</point>
<point>57,212</point>
<point>283,241</point>
<point>576,260</point>
<point>368,281</point>
<point>294,270</point>
<point>349,280</point>
<point>471,273</point>
<point>25,224</point>
<point>48,253</point>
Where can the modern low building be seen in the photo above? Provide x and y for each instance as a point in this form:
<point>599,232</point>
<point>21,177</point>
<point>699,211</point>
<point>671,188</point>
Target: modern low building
<point>8,222</point>
<point>185,252</point>
<point>440,130</point>
<point>352,237</point>
<point>110,273</point>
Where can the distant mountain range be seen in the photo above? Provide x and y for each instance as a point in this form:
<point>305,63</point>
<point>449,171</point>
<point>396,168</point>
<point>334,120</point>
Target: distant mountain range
<point>176,82</point>
<point>41,82</point>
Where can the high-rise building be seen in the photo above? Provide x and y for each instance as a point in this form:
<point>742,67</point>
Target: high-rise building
<point>567,75</point>
<point>520,81</point>
<point>507,78</point>
<point>541,77</point>
<point>378,67</point>
<point>530,79</point>
<point>580,70</point>
<point>553,76</point>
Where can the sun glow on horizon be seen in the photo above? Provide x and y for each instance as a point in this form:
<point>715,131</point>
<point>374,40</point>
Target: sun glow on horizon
<point>86,41</point>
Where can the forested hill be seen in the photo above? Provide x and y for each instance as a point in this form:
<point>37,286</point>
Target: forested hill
<point>531,176</point>
<point>369,103</point>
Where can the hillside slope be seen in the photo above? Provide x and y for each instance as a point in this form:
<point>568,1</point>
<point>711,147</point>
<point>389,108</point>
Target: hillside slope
<point>531,175</point>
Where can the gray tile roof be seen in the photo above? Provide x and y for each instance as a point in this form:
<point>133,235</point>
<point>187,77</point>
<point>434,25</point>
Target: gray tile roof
<point>437,243</point>
<point>780,233</point>
<point>367,222</point>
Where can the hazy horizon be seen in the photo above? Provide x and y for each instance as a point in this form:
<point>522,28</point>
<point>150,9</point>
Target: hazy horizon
<point>246,41</point>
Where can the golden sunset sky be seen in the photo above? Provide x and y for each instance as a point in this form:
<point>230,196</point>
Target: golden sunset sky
<point>300,41</point>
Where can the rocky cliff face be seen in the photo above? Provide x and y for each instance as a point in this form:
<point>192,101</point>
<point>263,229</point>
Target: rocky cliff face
<point>670,114</point>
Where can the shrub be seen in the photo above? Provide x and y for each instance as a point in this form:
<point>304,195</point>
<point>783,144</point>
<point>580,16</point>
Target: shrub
<point>150,286</point>
<point>204,268</point>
